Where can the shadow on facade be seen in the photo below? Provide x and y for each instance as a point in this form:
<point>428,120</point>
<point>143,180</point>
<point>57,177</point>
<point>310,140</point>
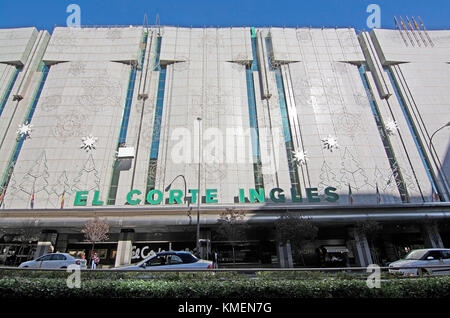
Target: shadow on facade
<point>256,244</point>
<point>444,174</point>
<point>356,234</point>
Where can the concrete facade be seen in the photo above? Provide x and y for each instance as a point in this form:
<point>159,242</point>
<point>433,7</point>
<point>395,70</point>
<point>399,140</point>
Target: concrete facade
<point>380,98</point>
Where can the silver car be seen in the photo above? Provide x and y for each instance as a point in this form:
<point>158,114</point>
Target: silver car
<point>420,262</point>
<point>54,261</point>
<point>170,260</point>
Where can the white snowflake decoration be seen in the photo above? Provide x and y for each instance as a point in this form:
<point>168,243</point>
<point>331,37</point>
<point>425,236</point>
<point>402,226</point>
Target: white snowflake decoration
<point>89,143</point>
<point>300,157</point>
<point>24,130</point>
<point>391,127</point>
<point>330,143</point>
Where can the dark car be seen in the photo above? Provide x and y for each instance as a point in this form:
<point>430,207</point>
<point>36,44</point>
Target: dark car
<point>333,256</point>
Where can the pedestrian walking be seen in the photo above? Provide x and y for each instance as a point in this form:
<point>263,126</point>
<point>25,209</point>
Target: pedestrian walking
<point>94,261</point>
<point>216,259</point>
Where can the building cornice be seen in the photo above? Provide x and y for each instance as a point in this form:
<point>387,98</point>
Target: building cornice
<point>143,216</point>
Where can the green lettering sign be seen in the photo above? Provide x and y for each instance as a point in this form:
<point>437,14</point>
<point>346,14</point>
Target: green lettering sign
<point>152,200</point>
<point>332,196</point>
<point>130,200</point>
<point>175,196</point>
<point>312,195</point>
<point>256,195</point>
<point>80,198</point>
<point>241,196</point>
<point>279,198</point>
<point>294,196</point>
<point>96,200</point>
<point>211,196</point>
<point>193,193</point>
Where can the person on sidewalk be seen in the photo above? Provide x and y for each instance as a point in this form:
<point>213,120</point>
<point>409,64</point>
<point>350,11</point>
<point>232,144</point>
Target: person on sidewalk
<point>94,261</point>
<point>216,259</point>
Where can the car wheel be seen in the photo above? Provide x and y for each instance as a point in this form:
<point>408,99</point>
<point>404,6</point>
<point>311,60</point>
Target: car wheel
<point>422,272</point>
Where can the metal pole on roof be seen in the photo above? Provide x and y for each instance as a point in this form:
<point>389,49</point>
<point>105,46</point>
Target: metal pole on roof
<point>157,24</point>
<point>425,31</point>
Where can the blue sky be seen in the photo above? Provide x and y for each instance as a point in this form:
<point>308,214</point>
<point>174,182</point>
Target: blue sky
<point>45,14</point>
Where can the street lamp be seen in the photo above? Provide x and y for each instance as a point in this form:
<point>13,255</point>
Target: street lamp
<point>430,145</point>
<point>199,197</point>
<point>431,138</point>
<point>185,187</point>
<point>185,194</point>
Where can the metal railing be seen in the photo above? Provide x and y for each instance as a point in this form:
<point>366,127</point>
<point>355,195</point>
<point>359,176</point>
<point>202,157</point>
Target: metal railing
<point>241,270</point>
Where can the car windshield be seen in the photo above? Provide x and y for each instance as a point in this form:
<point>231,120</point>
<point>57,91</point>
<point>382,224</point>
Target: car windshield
<point>185,258</point>
<point>415,255</point>
<point>188,258</point>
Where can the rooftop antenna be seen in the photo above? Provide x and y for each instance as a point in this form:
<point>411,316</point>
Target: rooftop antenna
<point>412,31</point>
<point>397,25</point>
<point>145,23</point>
<point>425,31</point>
<point>416,26</point>
<point>157,24</point>
<point>406,31</point>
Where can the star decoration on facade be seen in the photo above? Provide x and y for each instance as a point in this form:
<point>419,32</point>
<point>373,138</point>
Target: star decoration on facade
<point>24,130</point>
<point>391,127</point>
<point>330,143</point>
<point>89,143</point>
<point>299,157</point>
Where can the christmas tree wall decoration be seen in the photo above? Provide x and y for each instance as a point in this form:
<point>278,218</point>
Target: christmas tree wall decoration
<point>87,178</point>
<point>380,181</point>
<point>62,185</point>
<point>328,178</point>
<point>409,180</point>
<point>11,189</point>
<point>379,178</point>
<point>36,179</point>
<point>2,195</point>
<point>351,171</point>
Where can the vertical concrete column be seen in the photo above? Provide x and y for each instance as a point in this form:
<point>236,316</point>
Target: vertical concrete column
<point>432,237</point>
<point>205,244</point>
<point>390,249</point>
<point>124,247</point>
<point>61,243</point>
<point>45,244</point>
<point>363,254</point>
<point>285,255</point>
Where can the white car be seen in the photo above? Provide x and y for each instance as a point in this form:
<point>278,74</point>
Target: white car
<point>420,262</point>
<point>54,261</point>
<point>170,260</point>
